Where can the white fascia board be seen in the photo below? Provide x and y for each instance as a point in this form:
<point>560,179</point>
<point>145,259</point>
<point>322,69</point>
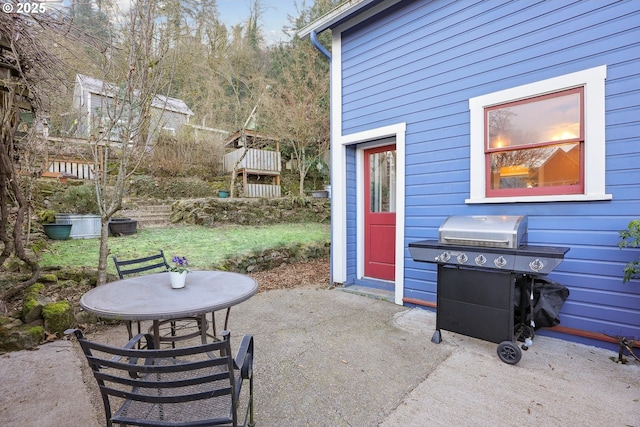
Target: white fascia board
<point>343,13</point>
<point>326,21</point>
<point>373,134</point>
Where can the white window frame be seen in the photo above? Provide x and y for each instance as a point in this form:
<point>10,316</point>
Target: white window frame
<point>593,81</point>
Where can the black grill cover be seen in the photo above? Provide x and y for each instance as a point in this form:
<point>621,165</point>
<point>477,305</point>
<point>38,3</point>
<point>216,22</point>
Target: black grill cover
<point>548,299</point>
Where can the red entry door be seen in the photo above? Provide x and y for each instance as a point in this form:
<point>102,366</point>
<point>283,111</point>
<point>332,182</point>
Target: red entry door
<point>380,212</point>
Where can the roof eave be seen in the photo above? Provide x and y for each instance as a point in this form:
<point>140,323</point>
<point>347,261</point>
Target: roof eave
<point>340,14</point>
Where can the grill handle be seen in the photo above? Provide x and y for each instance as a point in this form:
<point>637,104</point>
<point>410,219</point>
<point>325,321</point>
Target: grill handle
<point>463,239</point>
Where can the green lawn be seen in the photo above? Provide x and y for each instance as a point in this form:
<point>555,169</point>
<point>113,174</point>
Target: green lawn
<point>201,245</point>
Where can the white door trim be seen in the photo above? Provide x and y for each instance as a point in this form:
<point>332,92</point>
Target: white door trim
<point>365,140</point>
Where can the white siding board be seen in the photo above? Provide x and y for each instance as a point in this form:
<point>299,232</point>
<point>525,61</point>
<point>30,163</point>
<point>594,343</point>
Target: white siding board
<point>262,190</point>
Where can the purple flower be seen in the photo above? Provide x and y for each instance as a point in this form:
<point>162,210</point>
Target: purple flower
<point>180,264</point>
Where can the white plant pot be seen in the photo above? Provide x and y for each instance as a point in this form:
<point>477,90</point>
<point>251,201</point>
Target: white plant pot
<point>177,279</point>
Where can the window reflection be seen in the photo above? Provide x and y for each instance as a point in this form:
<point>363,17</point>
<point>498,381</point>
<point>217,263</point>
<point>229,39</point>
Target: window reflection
<point>536,142</point>
<point>546,120</point>
<point>536,167</point>
<point>382,176</point>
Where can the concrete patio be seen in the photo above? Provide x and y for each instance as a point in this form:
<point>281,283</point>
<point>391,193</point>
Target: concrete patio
<point>333,358</point>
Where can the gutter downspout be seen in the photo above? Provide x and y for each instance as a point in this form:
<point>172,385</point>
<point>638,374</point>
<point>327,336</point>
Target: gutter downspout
<point>316,43</point>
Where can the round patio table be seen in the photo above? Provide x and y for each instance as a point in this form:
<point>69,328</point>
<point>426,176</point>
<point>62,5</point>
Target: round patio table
<point>151,297</point>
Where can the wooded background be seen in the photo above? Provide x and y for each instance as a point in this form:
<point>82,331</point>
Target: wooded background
<point>223,74</point>
<point>229,77</point>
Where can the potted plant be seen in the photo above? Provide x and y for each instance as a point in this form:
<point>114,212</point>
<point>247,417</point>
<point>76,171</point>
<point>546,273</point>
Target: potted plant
<point>178,272</point>
<point>631,238</point>
<point>53,230</point>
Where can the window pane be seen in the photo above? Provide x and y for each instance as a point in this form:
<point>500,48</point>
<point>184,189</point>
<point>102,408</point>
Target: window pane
<point>536,167</point>
<point>382,174</point>
<point>533,122</point>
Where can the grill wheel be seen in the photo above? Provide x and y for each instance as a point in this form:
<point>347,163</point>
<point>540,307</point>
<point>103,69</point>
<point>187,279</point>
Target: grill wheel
<point>509,353</point>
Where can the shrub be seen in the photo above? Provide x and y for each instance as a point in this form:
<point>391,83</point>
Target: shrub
<point>169,188</point>
<point>79,199</point>
<point>144,186</point>
<point>631,238</point>
<point>187,188</point>
<point>47,216</point>
<point>186,155</point>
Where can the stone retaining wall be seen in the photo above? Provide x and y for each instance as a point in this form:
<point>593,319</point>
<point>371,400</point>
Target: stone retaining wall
<point>214,211</point>
<point>267,259</point>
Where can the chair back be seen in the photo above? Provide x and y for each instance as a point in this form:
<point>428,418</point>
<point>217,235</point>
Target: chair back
<point>131,267</point>
<point>182,386</point>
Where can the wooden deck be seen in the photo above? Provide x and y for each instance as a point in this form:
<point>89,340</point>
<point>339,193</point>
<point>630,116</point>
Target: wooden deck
<point>262,190</point>
<point>263,161</point>
<point>258,163</point>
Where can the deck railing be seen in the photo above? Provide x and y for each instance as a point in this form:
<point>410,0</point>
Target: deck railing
<point>255,160</point>
<point>80,169</point>
<point>262,190</point>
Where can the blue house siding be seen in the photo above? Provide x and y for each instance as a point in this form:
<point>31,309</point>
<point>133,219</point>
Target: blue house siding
<point>420,62</point>
<point>351,215</point>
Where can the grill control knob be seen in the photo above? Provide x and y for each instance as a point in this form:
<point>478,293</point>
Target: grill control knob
<point>462,258</point>
<point>444,256</point>
<point>480,259</point>
<point>536,265</point>
<point>500,261</point>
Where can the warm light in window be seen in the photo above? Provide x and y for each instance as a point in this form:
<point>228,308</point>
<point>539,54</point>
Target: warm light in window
<point>499,142</point>
<point>516,170</point>
<point>536,121</point>
<point>563,131</point>
<point>564,135</point>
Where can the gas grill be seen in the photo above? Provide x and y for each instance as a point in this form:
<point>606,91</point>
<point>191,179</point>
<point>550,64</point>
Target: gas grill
<point>480,260</point>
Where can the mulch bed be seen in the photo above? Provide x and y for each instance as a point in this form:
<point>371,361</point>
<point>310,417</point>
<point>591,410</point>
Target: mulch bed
<point>289,276</point>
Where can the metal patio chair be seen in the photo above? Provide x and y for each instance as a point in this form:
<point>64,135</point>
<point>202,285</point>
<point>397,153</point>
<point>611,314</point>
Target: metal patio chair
<point>178,329</point>
<point>188,386</point>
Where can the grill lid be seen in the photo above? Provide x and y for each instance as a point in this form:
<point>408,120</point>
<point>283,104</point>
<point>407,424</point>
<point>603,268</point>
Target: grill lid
<point>497,231</point>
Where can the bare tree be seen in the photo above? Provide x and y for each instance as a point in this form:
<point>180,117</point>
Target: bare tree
<point>14,99</point>
<point>125,130</point>
<point>31,75</point>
